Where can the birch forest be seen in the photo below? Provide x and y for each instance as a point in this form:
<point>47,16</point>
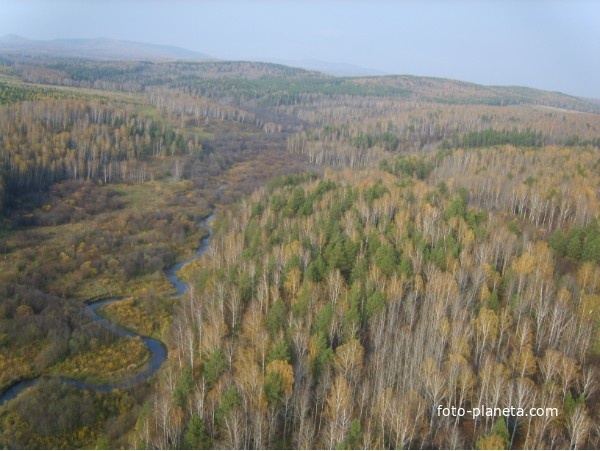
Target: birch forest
<point>371,252</point>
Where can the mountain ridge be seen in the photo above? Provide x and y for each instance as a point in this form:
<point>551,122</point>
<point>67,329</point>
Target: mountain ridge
<point>96,49</point>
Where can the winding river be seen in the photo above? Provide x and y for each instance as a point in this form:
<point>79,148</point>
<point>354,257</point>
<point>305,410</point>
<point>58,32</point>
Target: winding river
<point>158,350</point>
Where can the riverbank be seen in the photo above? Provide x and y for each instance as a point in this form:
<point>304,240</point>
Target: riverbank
<point>156,348</point>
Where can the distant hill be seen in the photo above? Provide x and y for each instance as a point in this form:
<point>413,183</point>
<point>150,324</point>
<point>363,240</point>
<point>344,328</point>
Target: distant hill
<point>447,91</point>
<point>96,49</point>
<point>329,68</point>
<point>127,63</point>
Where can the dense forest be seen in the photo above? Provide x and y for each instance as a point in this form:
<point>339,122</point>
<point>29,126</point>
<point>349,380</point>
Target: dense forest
<point>383,246</point>
<point>340,312</point>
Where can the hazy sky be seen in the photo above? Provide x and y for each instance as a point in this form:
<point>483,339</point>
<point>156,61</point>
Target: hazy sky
<point>551,45</point>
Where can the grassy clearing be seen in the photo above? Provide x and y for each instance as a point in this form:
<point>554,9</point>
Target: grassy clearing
<point>145,312</point>
<point>16,365</point>
<point>106,363</point>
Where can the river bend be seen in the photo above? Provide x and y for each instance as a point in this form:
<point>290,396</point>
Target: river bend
<point>158,350</point>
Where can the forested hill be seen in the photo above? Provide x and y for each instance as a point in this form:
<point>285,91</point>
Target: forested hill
<point>252,79</point>
<point>454,91</point>
<point>421,242</point>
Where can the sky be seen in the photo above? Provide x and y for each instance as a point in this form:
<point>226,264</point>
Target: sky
<point>553,45</point>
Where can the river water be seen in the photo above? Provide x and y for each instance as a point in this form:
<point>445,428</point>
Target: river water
<point>158,350</point>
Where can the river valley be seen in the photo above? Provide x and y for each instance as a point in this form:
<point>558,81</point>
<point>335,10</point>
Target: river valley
<point>157,349</point>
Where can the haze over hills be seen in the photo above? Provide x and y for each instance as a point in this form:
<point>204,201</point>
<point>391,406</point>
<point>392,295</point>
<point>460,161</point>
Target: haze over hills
<point>98,49</point>
<point>112,49</point>
<point>108,51</point>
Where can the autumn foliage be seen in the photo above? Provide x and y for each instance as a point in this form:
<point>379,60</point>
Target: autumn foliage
<point>347,308</point>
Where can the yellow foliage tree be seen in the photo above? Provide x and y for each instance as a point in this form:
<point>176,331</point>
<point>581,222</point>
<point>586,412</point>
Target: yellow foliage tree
<point>286,372</point>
